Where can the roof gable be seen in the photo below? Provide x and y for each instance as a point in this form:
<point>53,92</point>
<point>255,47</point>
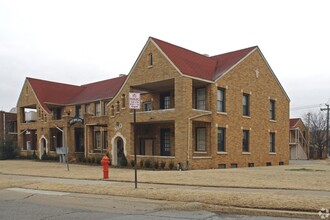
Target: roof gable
<point>200,66</point>
<point>293,122</point>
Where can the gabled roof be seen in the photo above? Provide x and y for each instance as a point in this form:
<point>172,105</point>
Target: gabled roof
<point>293,122</point>
<point>99,90</point>
<point>48,92</point>
<point>200,66</point>
<point>53,92</point>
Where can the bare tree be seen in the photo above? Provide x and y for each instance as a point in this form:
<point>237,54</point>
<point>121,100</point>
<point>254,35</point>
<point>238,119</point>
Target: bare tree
<point>318,128</point>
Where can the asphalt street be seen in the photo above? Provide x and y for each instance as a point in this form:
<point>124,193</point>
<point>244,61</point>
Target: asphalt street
<point>22,204</point>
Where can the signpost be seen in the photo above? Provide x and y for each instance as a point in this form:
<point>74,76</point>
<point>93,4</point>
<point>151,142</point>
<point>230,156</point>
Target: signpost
<point>134,103</point>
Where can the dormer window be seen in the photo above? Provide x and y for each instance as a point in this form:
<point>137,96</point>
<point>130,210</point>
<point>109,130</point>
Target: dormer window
<point>150,61</point>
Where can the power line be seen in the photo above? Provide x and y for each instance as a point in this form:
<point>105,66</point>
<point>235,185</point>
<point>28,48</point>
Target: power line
<point>305,107</point>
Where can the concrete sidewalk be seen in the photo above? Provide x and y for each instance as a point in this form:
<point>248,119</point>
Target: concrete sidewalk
<point>281,189</point>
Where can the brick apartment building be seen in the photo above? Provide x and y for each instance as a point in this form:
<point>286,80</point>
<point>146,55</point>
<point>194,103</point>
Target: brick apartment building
<point>222,111</point>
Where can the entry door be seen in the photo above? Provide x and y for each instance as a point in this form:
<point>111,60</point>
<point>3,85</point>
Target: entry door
<point>79,138</point>
<point>148,144</point>
<point>165,142</point>
<point>120,151</point>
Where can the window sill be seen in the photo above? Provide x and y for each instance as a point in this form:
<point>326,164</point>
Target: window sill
<point>154,156</point>
<point>150,66</point>
<point>272,153</point>
<point>222,152</point>
<point>200,152</point>
<point>246,153</point>
<point>222,113</point>
<point>246,116</point>
<point>207,157</point>
<point>273,121</point>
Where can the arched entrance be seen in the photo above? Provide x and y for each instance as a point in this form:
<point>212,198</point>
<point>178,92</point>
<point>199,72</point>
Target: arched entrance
<point>118,150</point>
<point>43,147</point>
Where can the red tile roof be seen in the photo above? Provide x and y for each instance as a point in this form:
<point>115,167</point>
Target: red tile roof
<point>56,93</point>
<point>99,90</point>
<point>197,65</point>
<point>293,122</point>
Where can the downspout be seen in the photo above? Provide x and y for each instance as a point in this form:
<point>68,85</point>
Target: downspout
<point>189,131</point>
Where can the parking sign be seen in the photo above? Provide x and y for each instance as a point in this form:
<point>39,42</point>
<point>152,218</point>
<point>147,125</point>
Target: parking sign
<point>134,100</point>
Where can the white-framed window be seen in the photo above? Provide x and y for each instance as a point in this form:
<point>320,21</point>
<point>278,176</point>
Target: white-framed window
<point>165,100</point>
<point>272,109</point>
<point>200,139</point>
<point>87,108</point>
<point>105,109</point>
<point>97,140</point>
<point>221,100</point>
<point>97,109</point>
<point>221,139</point>
<point>150,60</point>
<point>246,104</point>
<point>147,106</point>
<point>272,142</point>
<point>245,141</point>
<point>201,98</point>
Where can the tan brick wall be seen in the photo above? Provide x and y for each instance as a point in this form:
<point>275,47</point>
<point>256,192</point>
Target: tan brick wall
<point>243,78</point>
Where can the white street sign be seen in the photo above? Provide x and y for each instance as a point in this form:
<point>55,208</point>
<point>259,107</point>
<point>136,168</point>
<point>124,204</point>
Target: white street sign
<point>134,100</point>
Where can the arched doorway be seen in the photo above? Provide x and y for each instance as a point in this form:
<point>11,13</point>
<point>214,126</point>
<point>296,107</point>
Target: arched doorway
<point>118,149</point>
<point>43,147</point>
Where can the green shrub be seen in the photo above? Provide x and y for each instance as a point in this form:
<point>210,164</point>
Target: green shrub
<point>44,156</point>
<point>162,164</point>
<point>98,160</point>
<point>133,163</point>
<point>156,164</point>
<point>148,164</point>
<point>123,162</point>
<point>8,149</point>
<point>34,155</point>
<point>89,160</point>
<point>171,165</point>
<point>141,163</point>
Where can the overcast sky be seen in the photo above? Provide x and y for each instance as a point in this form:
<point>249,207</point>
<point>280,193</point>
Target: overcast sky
<point>79,42</point>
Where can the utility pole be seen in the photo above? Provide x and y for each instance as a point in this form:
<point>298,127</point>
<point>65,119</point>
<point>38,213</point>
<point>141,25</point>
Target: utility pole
<point>327,144</point>
<point>309,135</point>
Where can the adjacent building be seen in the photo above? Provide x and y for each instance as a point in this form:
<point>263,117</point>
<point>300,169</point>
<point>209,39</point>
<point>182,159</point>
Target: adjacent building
<point>8,127</point>
<point>299,140</point>
<point>200,111</point>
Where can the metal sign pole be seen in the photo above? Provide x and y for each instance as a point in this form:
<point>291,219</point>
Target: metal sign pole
<point>134,103</point>
<point>135,167</point>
